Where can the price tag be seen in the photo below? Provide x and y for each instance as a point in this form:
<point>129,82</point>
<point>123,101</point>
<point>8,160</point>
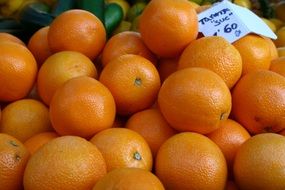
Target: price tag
<point>231,22</point>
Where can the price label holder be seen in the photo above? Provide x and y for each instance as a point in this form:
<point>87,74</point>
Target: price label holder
<point>232,22</point>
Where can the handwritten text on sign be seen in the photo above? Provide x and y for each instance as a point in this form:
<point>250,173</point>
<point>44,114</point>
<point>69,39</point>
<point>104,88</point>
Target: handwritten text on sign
<point>221,21</point>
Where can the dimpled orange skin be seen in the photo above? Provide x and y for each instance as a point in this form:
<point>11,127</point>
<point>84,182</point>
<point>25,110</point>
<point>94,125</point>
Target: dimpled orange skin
<point>18,69</point>
<point>168,26</point>
<point>194,99</point>
<point>77,30</point>
<point>67,162</point>
<point>259,102</point>
<point>216,54</point>
<point>278,66</point>
<point>260,162</point>
<point>13,159</point>
<point>191,161</point>
<point>82,106</point>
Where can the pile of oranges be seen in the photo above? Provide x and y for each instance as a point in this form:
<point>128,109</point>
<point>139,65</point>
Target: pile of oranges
<point>162,108</point>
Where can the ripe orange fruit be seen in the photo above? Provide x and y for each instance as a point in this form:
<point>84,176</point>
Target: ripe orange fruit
<point>59,68</point>
<point>259,103</point>
<point>152,126</point>
<point>255,53</point>
<point>24,118</point>
<point>10,38</point>
<point>280,41</point>
<point>260,162</point>
<point>38,45</point>
<point>38,140</point>
<point>216,54</point>
<point>123,148</point>
<point>191,161</point>
<point>278,66</point>
<point>167,66</point>
<point>18,71</point>
<point>129,179</point>
<point>133,81</point>
<point>272,48</point>
<point>168,26</point>
<point>281,51</point>
<point>127,42</point>
<point>194,99</point>
<point>82,106</point>
<point>13,159</point>
<point>77,30</point>
<point>67,162</point>
<point>229,137</point>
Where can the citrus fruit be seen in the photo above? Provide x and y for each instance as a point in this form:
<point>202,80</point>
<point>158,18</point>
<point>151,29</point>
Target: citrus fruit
<point>168,26</point>
<point>77,30</point>
<point>59,68</point>
<point>24,118</point>
<point>127,42</point>
<point>10,38</point>
<point>281,51</point>
<point>152,126</point>
<point>18,71</point>
<point>279,9</point>
<point>67,162</point>
<point>82,106</point>
<point>280,41</point>
<point>229,137</point>
<point>38,45</point>
<point>259,103</point>
<point>254,53</point>
<point>216,54</point>
<point>260,162</point>
<point>38,140</point>
<point>191,161</point>
<point>278,66</point>
<point>13,159</point>
<point>123,148</point>
<point>272,48</point>
<point>194,99</point>
<point>129,179</point>
<point>133,81</point>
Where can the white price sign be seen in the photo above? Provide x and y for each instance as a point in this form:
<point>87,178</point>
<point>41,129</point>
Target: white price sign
<point>231,22</point>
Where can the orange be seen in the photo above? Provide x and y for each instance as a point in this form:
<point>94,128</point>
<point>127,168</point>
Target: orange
<point>82,106</point>
<point>216,54</point>
<point>167,66</point>
<point>168,26</point>
<point>260,162</point>
<point>123,148</point>
<point>13,159</point>
<point>280,41</point>
<point>259,103</point>
<point>229,137</point>
<point>272,48</point>
<point>67,162</point>
<point>152,126</point>
<point>7,37</point>
<point>25,118</point>
<point>77,30</point>
<point>255,53</point>
<point>281,51</point>
<point>194,99</point>
<point>10,38</point>
<point>38,45</point>
<point>129,179</point>
<point>278,66</point>
<point>18,69</point>
<point>202,8</point>
<point>127,42</point>
<point>59,68</point>
<point>38,140</point>
<point>133,81</point>
<point>191,161</point>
